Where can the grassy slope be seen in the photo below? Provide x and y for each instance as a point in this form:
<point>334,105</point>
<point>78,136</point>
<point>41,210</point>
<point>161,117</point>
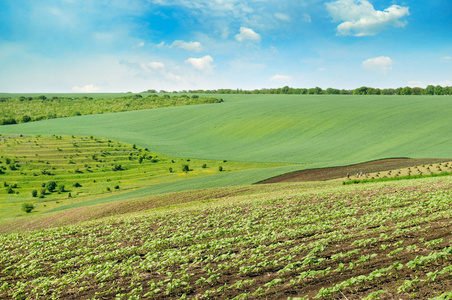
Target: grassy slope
<point>272,242</point>
<point>271,128</point>
<point>317,131</point>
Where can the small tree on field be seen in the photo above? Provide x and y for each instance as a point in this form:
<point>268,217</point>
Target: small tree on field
<point>185,168</point>
<point>27,207</point>
<point>34,193</point>
<point>51,186</point>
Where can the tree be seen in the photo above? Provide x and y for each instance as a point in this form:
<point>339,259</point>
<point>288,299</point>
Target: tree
<point>429,90</point>
<point>27,207</point>
<point>438,90</point>
<point>406,91</point>
<point>26,118</point>
<point>185,168</point>
<point>51,186</point>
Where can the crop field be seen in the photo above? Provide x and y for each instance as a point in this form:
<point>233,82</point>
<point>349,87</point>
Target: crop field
<point>322,130</point>
<point>87,167</point>
<point>159,203</point>
<point>375,241</point>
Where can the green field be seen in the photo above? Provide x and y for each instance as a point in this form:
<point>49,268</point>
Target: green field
<point>322,130</point>
<point>298,241</point>
<point>87,168</point>
<point>134,229</point>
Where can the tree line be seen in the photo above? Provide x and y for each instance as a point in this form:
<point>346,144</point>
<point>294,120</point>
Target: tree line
<point>28,109</point>
<point>429,90</point>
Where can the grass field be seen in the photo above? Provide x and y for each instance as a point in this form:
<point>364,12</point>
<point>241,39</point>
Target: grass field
<point>297,240</point>
<point>323,130</point>
<point>85,168</point>
<point>132,229</point>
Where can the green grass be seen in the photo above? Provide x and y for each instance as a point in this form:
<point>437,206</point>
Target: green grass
<point>316,131</point>
<point>91,168</point>
<point>250,242</point>
<point>357,181</point>
<point>332,130</point>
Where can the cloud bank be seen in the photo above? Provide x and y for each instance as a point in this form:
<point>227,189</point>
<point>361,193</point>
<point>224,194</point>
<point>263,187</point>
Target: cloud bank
<point>359,17</point>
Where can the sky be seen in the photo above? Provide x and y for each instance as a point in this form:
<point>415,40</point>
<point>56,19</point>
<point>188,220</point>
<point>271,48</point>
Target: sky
<point>174,45</point>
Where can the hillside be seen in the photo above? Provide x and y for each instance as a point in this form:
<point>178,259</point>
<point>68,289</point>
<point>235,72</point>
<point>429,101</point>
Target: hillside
<point>325,130</point>
<point>378,241</point>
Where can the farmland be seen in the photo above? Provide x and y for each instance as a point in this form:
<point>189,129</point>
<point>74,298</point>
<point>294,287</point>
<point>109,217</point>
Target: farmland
<point>125,219</point>
<point>87,167</point>
<point>378,241</point>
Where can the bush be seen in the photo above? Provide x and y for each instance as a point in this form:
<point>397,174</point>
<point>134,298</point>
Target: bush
<point>185,168</point>
<point>77,185</point>
<point>204,166</point>
<point>9,190</point>
<point>27,207</point>
<point>61,188</point>
<point>51,186</point>
<point>170,170</point>
<point>220,168</point>
<point>34,193</point>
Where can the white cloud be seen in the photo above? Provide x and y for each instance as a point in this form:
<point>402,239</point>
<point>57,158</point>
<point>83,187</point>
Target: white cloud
<point>416,83</point>
<point>189,46</point>
<point>90,88</point>
<point>141,44</point>
<point>156,65</point>
<point>160,45</point>
<point>202,64</point>
<point>282,17</point>
<point>281,78</point>
<point>321,69</point>
<point>381,64</point>
<point>247,34</point>
<point>359,17</point>
<point>446,58</point>
<point>306,18</point>
<point>173,77</point>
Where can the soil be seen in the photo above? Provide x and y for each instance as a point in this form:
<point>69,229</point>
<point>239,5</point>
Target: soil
<point>341,172</point>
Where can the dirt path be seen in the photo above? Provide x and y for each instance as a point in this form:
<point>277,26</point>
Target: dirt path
<point>339,172</point>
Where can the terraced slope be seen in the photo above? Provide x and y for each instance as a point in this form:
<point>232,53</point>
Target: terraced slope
<point>84,168</point>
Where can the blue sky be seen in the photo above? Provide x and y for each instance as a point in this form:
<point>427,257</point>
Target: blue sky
<point>135,45</point>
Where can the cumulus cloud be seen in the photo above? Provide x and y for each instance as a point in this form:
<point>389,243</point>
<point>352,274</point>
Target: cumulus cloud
<point>359,17</point>
<point>90,88</point>
<point>281,78</point>
<point>247,34</point>
<point>202,64</point>
<point>282,17</point>
<point>380,64</point>
<point>189,46</point>
<point>156,65</point>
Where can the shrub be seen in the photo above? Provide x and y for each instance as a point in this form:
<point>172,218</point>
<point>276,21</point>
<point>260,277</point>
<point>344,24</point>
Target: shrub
<point>204,166</point>
<point>9,190</point>
<point>170,170</point>
<point>220,168</point>
<point>61,188</point>
<point>27,207</point>
<point>77,185</point>
<point>51,186</point>
<point>185,168</point>
<point>117,167</point>
<point>116,187</point>
<point>34,193</point>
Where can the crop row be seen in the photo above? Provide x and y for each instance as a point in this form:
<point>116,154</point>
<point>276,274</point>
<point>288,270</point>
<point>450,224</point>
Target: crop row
<point>374,241</point>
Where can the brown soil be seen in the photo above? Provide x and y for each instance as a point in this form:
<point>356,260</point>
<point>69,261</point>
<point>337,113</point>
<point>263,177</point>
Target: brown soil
<point>340,172</point>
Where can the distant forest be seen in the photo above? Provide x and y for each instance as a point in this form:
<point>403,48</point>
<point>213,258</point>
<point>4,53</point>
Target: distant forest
<point>429,90</point>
